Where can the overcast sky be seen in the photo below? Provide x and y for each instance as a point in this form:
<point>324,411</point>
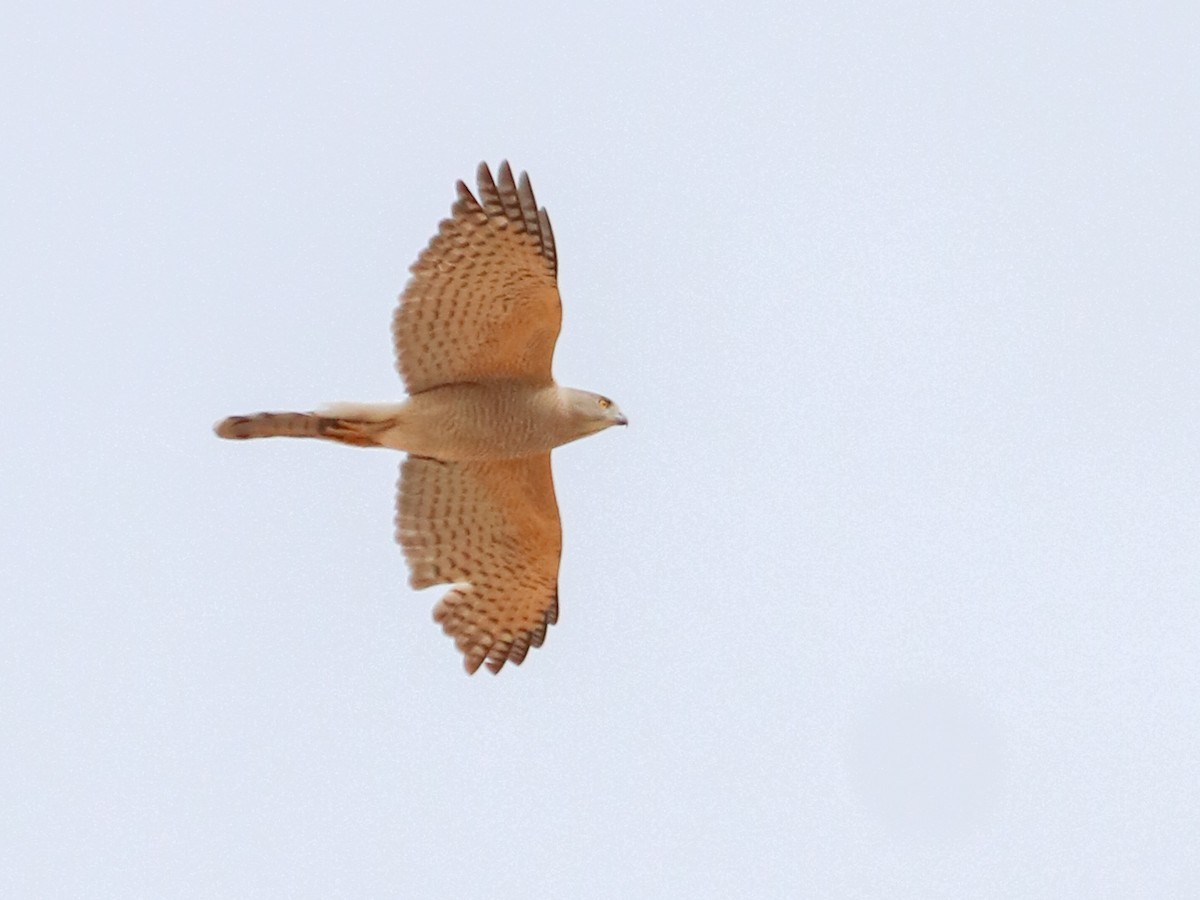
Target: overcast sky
<point>891,589</point>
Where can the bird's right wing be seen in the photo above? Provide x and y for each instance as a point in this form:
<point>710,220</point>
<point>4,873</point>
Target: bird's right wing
<point>482,302</point>
<point>491,529</point>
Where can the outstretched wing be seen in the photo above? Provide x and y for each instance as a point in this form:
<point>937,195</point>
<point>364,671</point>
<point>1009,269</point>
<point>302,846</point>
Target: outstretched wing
<point>491,529</point>
<point>483,299</point>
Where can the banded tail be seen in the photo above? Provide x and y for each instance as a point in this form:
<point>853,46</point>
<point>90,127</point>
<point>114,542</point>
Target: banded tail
<point>296,424</point>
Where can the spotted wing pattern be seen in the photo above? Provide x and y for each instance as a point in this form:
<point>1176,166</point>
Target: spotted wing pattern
<point>482,302</point>
<point>491,530</point>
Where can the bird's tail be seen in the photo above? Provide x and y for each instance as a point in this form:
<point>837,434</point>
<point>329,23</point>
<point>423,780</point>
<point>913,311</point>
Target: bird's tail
<point>360,433</point>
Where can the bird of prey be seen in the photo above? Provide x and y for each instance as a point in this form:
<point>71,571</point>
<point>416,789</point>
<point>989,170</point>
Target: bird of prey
<point>474,334</point>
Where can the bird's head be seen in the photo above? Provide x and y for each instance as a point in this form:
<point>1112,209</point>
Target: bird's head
<point>590,412</point>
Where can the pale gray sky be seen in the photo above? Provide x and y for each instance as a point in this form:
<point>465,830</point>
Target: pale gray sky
<point>892,588</point>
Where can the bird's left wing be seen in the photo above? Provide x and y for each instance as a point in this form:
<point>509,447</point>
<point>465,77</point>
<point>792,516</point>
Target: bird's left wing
<point>490,529</point>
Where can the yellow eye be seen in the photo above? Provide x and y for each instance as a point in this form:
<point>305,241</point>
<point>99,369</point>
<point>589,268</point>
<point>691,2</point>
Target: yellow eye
<point>605,403</point>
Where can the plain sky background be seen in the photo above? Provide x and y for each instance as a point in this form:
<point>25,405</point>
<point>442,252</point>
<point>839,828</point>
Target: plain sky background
<point>891,589</point>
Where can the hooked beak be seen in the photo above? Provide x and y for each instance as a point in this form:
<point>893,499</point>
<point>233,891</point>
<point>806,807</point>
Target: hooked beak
<point>620,420</point>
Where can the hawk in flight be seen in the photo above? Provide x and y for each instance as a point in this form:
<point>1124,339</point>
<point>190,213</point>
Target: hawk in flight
<point>474,334</point>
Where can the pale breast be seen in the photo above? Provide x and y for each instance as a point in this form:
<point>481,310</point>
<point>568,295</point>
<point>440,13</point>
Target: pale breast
<point>497,420</point>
